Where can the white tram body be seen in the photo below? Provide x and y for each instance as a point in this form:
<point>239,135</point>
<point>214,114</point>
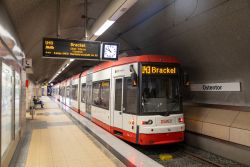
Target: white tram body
<point>62,92</point>
<point>74,93</point>
<point>137,99</point>
<point>55,91</point>
<point>67,92</point>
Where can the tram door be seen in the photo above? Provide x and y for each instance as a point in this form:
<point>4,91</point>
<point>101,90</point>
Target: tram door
<point>118,110</point>
<point>88,100</point>
<point>89,79</point>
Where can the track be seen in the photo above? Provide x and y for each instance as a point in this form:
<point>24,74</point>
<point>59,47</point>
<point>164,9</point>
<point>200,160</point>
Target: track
<point>209,162</point>
<point>183,156</point>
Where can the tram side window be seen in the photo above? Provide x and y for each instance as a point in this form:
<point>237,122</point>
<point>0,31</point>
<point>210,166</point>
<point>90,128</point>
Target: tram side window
<point>130,96</point>
<point>74,92</point>
<point>100,94</point>
<point>118,94</point>
<point>83,94</point>
<point>67,91</point>
<point>60,92</point>
<point>63,91</point>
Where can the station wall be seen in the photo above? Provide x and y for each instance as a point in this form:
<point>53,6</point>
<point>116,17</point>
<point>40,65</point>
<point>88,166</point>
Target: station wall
<point>211,39</point>
<point>12,86</point>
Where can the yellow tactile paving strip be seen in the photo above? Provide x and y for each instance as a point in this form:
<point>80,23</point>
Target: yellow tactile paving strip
<point>57,142</point>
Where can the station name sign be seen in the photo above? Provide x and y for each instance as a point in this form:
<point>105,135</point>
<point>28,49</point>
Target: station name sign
<point>216,87</point>
<point>158,70</point>
<point>61,48</point>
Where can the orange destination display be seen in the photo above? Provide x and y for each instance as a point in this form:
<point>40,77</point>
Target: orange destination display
<point>158,70</point>
<point>63,49</point>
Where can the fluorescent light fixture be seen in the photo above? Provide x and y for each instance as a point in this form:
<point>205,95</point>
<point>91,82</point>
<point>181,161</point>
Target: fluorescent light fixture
<point>5,33</point>
<point>71,60</point>
<point>66,65</point>
<point>104,27</point>
<point>17,49</point>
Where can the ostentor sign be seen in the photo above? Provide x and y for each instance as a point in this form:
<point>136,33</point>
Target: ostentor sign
<point>216,87</point>
<point>61,48</point>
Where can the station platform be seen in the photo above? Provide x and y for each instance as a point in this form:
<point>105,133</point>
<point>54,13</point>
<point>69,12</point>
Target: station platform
<point>59,137</point>
<point>54,140</point>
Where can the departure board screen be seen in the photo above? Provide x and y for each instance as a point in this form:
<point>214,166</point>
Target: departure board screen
<point>61,48</point>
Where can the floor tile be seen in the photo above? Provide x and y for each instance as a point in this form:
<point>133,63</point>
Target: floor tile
<point>55,141</point>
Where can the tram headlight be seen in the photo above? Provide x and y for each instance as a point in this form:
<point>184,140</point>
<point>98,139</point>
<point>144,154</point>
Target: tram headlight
<point>181,120</point>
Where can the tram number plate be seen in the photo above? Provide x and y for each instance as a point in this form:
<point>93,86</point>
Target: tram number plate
<point>166,121</point>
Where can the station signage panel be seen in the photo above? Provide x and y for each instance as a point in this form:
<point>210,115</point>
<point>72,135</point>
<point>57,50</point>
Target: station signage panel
<point>61,48</point>
<point>216,87</point>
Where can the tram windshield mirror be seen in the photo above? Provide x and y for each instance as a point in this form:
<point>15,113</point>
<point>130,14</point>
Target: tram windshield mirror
<point>185,79</point>
<point>133,75</point>
<point>134,79</point>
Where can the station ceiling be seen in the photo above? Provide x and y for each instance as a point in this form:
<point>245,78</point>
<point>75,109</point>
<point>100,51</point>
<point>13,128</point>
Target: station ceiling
<point>36,19</point>
<point>210,37</point>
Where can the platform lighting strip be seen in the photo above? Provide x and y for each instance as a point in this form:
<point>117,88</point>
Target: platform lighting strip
<point>104,27</point>
<point>61,70</point>
<point>16,48</point>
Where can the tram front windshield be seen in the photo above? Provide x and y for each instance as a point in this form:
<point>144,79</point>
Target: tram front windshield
<point>160,94</point>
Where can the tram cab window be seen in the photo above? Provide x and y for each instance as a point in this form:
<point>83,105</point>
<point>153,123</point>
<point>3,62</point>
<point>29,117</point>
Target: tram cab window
<point>74,92</point>
<point>83,93</point>
<point>160,94</point>
<point>100,94</point>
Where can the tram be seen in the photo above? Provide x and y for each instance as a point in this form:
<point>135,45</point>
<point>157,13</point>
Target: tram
<point>137,99</point>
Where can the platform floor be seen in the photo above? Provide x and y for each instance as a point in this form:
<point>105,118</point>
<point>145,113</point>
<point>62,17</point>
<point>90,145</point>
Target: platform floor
<point>56,141</point>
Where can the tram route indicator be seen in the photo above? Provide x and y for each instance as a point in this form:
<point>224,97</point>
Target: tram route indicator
<point>63,49</point>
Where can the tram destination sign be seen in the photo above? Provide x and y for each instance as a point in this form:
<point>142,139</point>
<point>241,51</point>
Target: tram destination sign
<point>158,70</point>
<point>63,49</point>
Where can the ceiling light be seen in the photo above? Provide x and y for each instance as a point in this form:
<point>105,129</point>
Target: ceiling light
<point>17,49</point>
<point>104,27</point>
<point>5,33</point>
